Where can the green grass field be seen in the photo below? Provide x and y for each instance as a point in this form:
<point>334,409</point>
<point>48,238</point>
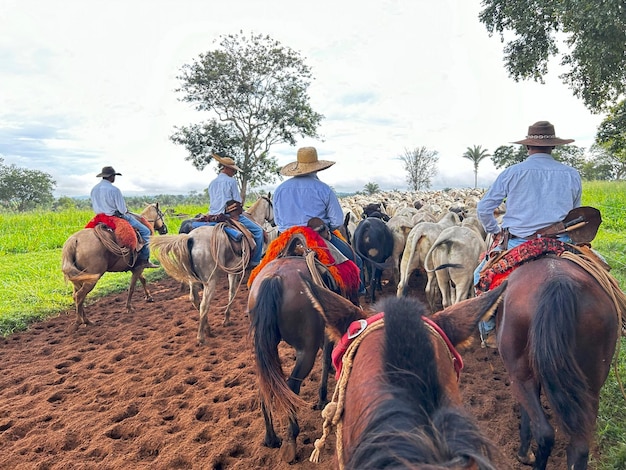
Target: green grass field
<point>32,286</point>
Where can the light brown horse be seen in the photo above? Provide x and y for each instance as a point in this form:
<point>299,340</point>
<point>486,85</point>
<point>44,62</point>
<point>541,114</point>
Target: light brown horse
<point>397,403</point>
<point>85,259</point>
<point>200,258</point>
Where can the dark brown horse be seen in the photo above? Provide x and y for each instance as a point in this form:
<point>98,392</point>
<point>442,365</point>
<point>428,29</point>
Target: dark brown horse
<point>85,259</point>
<point>557,330</point>
<point>279,310</point>
<point>397,403</point>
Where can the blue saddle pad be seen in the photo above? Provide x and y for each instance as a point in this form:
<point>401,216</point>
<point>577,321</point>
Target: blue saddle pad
<point>231,232</point>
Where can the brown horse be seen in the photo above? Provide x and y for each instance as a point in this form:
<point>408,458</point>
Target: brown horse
<point>279,310</point>
<point>557,330</point>
<point>397,403</point>
<point>85,259</point>
<point>200,258</point>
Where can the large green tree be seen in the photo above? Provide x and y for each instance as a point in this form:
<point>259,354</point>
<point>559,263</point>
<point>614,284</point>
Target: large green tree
<point>254,92</point>
<point>22,189</point>
<point>507,155</point>
<point>589,36</point>
<point>611,137</point>
<point>420,165</point>
<point>476,155</point>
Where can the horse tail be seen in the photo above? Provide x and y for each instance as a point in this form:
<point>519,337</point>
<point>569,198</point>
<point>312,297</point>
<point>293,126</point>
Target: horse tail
<point>415,426</point>
<point>275,393</point>
<point>70,269</point>
<point>552,344</point>
<point>174,254</point>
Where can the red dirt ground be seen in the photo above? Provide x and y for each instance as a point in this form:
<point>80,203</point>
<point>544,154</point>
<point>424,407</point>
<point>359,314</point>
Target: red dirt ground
<point>134,391</point>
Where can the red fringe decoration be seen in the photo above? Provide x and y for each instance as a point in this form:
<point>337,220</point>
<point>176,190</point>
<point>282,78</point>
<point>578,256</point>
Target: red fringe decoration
<point>124,232</point>
<point>346,274</point>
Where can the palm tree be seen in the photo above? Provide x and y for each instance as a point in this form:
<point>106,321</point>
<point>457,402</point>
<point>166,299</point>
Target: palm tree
<point>476,155</point>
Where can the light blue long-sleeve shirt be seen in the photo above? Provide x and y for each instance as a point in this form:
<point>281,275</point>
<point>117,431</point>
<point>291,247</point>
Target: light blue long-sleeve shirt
<point>222,189</point>
<point>539,191</point>
<point>107,199</point>
<point>301,198</point>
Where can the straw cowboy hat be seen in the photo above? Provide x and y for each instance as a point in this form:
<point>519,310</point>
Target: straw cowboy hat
<point>227,162</point>
<point>541,134</point>
<point>306,163</point>
<point>106,172</point>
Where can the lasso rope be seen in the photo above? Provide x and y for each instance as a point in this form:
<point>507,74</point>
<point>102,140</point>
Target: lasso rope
<point>333,411</point>
<point>103,234</point>
<point>611,287</point>
<point>239,267</point>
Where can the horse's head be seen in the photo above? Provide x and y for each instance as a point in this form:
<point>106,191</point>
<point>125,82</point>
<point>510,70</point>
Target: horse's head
<point>269,209</point>
<point>154,215</point>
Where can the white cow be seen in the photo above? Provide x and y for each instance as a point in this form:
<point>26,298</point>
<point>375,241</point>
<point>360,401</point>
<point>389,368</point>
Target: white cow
<point>418,243</point>
<point>400,227</point>
<point>453,258</point>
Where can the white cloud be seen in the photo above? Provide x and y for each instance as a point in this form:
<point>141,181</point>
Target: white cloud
<point>99,77</point>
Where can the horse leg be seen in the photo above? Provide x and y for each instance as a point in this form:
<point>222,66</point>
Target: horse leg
<point>233,283</point>
<point>80,293</point>
<point>204,329</point>
<point>131,290</point>
<point>527,393</point>
<point>327,350</point>
<point>525,454</point>
<point>271,439</point>
<point>305,358</point>
<point>194,294</point>
<point>147,294</point>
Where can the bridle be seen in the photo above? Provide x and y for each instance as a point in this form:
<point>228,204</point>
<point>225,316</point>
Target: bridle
<point>270,210</point>
<point>159,217</point>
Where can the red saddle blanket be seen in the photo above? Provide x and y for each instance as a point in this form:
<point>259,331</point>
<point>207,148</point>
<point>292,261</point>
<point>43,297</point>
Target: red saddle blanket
<point>124,232</point>
<point>494,273</point>
<point>346,274</point>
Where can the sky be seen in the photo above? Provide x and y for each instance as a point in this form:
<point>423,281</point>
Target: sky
<point>85,84</point>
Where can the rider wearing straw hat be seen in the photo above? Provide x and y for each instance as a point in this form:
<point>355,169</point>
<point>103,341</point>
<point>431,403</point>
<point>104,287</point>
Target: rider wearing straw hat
<point>305,196</point>
<point>224,188</point>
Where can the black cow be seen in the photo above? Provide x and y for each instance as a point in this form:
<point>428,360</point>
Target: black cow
<point>373,242</point>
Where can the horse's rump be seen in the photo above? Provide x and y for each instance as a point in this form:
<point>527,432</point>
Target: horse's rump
<point>345,274</point>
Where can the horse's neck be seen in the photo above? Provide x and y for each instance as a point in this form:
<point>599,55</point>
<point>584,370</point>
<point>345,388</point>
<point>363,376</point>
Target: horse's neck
<point>257,212</point>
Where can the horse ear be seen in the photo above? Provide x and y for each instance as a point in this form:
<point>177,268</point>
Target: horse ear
<point>269,195</point>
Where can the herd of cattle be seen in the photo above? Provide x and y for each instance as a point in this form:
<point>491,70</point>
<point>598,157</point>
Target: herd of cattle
<point>436,232</point>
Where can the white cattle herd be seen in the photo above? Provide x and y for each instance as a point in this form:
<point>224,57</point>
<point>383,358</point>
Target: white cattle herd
<point>431,229</point>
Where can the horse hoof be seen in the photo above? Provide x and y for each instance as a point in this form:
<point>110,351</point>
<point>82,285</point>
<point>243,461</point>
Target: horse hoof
<point>149,299</point>
<point>272,443</point>
<point>528,459</point>
<point>227,323</point>
<point>288,452</point>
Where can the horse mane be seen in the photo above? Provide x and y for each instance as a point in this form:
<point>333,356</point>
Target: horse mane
<point>412,424</point>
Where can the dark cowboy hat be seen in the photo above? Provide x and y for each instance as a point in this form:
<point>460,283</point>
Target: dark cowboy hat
<point>107,171</point>
<point>541,134</point>
<point>306,163</point>
<point>227,162</point>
